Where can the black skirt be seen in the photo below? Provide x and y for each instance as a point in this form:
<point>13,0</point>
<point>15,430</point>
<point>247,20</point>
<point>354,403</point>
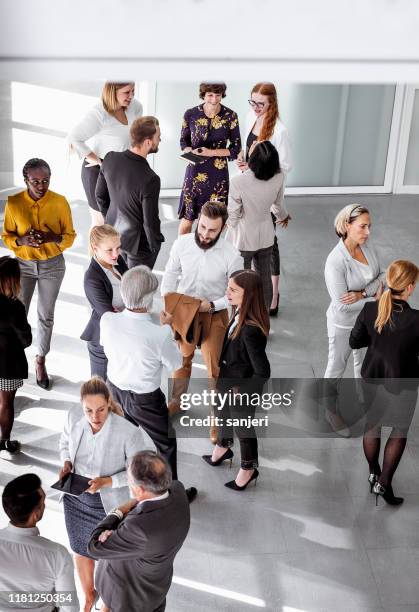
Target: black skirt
<point>82,514</point>
<point>89,176</point>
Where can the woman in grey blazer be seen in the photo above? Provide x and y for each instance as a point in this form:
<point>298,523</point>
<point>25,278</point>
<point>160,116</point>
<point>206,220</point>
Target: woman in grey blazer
<point>96,442</point>
<point>353,277</point>
<point>253,195</point>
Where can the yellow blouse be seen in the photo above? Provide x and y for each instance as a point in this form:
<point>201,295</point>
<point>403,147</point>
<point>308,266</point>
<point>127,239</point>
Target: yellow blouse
<point>52,212</point>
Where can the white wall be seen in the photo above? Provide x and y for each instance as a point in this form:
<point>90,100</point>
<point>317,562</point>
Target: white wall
<point>299,40</point>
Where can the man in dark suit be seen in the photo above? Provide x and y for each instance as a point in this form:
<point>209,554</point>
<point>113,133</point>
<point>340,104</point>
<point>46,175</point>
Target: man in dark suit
<point>127,193</point>
<point>136,543</point>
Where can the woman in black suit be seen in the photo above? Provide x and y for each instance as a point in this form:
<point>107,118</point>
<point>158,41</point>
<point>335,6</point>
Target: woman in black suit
<point>244,368</point>
<point>101,285</point>
<point>15,336</point>
<point>390,330</point>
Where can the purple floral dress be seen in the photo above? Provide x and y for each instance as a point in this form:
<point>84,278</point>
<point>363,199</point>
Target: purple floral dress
<point>209,179</point>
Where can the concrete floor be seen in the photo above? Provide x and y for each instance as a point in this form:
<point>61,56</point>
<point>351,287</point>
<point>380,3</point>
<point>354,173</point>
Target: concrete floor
<point>308,537</point>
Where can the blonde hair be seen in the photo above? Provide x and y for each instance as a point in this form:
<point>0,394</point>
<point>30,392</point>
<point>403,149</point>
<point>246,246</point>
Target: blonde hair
<point>97,386</point>
<point>109,99</point>
<point>348,214</point>
<point>98,233</point>
<point>400,274</point>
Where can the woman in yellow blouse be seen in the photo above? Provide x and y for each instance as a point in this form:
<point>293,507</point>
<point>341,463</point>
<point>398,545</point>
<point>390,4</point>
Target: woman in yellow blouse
<point>38,227</point>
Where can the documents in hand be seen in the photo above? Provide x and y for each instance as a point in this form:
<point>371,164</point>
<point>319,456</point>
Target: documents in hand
<point>193,158</point>
<point>72,484</point>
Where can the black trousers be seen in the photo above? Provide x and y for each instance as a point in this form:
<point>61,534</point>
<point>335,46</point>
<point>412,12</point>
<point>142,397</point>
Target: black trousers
<point>89,176</point>
<point>150,411</point>
<point>275,261</point>
<point>98,360</point>
<point>246,435</point>
<point>145,258</point>
<point>260,261</point>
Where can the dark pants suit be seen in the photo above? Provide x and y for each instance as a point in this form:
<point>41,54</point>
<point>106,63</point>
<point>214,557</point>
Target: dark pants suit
<point>244,367</point>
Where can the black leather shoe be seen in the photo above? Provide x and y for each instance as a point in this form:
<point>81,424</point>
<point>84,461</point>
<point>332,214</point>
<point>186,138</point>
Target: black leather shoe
<point>42,379</point>
<point>233,485</point>
<point>387,494</point>
<point>227,455</point>
<point>191,493</point>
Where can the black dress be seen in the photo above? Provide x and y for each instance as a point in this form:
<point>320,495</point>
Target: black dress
<point>15,336</point>
<point>390,370</point>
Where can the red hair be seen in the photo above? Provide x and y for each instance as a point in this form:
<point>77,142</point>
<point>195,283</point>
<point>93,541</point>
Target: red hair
<point>272,114</point>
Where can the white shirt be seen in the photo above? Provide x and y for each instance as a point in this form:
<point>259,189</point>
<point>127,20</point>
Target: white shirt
<point>115,279</point>
<point>152,499</point>
<point>29,562</point>
<point>137,349</point>
<point>91,450</point>
<point>203,273</point>
<point>280,140</point>
<point>104,130</point>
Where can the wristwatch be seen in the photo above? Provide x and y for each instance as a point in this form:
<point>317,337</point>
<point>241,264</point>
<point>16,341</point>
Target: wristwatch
<point>117,512</point>
<point>212,308</point>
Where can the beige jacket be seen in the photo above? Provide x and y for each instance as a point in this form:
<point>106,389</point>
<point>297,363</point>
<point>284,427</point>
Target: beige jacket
<point>250,202</point>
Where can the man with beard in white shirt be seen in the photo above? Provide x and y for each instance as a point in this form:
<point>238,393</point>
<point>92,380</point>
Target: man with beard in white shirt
<point>204,261</point>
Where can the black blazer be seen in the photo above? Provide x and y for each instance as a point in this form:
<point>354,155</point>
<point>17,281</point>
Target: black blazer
<point>393,353</point>
<point>98,290</point>
<point>15,336</point>
<point>127,193</point>
<point>136,562</point>
<point>245,357</point>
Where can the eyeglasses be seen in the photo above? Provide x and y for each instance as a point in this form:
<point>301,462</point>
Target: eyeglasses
<point>37,182</point>
<point>254,104</point>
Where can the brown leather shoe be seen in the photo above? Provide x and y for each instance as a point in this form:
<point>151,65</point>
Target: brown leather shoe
<point>173,407</point>
<point>42,379</point>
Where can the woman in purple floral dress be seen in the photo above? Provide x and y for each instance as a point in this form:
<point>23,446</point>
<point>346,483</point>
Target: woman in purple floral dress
<point>210,130</point>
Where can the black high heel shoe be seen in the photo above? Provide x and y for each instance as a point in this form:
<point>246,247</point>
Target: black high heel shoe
<point>11,446</point>
<point>232,484</point>
<point>227,455</point>
<point>387,494</point>
<point>274,311</point>
<point>372,479</point>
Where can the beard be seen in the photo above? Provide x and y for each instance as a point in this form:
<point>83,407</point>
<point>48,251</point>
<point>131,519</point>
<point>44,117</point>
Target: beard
<point>205,245</point>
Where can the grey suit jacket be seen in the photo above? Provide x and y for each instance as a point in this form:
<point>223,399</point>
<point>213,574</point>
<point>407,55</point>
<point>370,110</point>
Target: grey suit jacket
<point>342,274</point>
<point>122,441</point>
<point>250,202</point>
<point>136,562</point>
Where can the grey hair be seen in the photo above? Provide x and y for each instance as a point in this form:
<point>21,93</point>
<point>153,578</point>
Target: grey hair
<point>150,471</point>
<point>348,214</point>
<point>138,286</point>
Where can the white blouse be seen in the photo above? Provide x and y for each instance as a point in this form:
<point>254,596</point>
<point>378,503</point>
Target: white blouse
<point>280,139</point>
<point>115,279</point>
<point>103,130</point>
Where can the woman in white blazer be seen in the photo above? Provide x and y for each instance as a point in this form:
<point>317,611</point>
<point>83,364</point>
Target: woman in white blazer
<point>263,123</point>
<point>353,277</point>
<point>106,126</point>
<point>96,442</point>
<point>255,194</point>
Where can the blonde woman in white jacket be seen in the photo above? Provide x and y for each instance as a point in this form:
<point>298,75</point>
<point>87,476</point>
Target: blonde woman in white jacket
<point>263,123</point>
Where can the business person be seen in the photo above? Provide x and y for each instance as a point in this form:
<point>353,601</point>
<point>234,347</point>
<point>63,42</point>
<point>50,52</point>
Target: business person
<point>254,195</point>
<point>136,543</point>
<point>211,130</point>
<point>96,442</point>
<point>353,276</point>
<point>15,336</point>
<point>390,330</point>
<point>102,282</point>
<point>244,368</point>
<point>106,126</point>
<point>127,192</point>
<point>30,563</point>
<point>263,123</point>
<point>38,228</point>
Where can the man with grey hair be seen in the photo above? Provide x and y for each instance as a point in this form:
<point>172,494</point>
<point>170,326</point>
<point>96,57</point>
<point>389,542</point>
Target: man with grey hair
<point>137,349</point>
<point>136,543</point>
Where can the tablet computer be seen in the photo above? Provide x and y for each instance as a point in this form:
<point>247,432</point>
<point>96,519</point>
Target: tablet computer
<point>72,484</point>
<point>193,158</point>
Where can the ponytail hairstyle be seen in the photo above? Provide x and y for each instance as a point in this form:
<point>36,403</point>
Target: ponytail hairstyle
<point>98,233</point>
<point>97,386</point>
<point>272,114</point>
<point>253,309</point>
<point>400,274</point>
